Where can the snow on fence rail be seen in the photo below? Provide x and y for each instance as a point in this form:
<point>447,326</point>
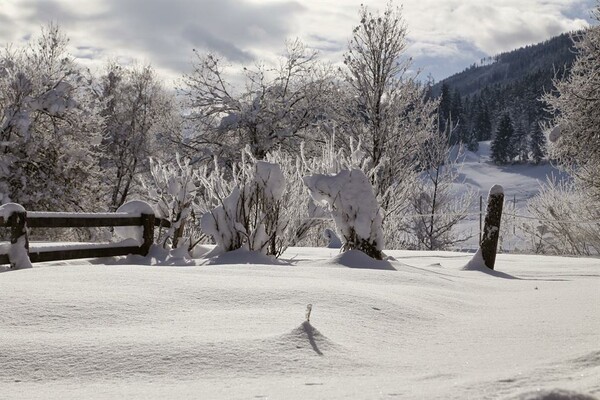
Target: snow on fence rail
<point>18,220</point>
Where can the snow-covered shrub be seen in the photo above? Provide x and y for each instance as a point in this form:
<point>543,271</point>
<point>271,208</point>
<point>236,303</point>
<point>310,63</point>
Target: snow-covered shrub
<point>334,158</point>
<point>298,211</point>
<point>250,216</point>
<point>353,205</point>
<point>288,214</point>
<point>172,189</point>
<point>567,221</point>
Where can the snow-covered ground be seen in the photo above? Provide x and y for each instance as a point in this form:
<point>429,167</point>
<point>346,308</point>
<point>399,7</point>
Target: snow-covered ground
<point>237,330</point>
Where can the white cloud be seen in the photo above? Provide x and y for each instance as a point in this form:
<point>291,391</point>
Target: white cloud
<point>445,35</point>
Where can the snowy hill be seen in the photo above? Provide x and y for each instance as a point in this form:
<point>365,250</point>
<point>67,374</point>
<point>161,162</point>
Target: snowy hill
<point>427,329</point>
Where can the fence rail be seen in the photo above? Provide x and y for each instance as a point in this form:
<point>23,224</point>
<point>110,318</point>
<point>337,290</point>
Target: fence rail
<point>20,221</point>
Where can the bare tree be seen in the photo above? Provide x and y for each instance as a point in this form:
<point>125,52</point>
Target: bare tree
<point>139,118</point>
<point>436,207</point>
<point>49,127</point>
<point>389,110</point>
<point>273,110</point>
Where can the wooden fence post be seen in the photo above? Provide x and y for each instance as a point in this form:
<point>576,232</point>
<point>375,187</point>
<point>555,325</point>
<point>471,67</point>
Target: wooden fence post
<point>491,229</point>
<point>18,233</point>
<point>148,225</point>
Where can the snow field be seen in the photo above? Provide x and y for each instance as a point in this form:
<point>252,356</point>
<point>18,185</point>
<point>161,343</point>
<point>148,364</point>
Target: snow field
<point>520,182</point>
<point>235,330</point>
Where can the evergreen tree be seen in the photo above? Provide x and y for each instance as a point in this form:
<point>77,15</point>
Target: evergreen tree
<point>445,107</point>
<point>520,143</point>
<point>501,145</point>
<point>471,140</point>
<point>483,124</point>
<point>537,144</point>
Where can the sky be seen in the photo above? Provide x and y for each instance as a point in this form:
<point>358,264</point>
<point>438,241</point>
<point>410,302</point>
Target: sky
<point>445,36</point>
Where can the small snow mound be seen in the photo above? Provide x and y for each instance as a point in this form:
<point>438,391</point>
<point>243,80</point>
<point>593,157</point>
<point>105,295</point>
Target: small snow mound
<point>333,238</point>
<point>476,263</point>
<point>358,259</point>
<point>242,256</point>
<point>157,256</point>
<point>556,394</point>
<point>307,335</point>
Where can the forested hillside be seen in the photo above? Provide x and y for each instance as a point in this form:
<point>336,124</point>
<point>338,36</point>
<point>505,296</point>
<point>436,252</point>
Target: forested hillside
<point>505,87</point>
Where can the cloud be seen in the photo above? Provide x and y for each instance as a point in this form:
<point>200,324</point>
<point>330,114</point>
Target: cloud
<point>165,32</point>
<point>443,35</point>
<point>199,36</point>
<point>497,26</point>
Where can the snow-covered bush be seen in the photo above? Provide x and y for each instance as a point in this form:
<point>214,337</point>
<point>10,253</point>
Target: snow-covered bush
<point>298,210</point>
<point>172,189</point>
<point>353,205</point>
<point>250,216</point>
<point>567,221</point>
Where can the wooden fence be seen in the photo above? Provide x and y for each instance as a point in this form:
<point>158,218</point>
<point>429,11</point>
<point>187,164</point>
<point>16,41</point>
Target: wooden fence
<point>18,222</point>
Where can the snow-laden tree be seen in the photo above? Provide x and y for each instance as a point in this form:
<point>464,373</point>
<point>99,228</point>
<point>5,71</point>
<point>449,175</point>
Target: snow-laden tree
<point>574,104</point>
<point>140,120</point>
<point>272,111</point>
<point>387,108</point>
<point>49,127</point>
<point>569,212</point>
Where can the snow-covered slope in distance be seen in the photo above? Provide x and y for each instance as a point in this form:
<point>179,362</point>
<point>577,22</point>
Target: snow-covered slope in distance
<point>518,180</point>
<point>521,182</point>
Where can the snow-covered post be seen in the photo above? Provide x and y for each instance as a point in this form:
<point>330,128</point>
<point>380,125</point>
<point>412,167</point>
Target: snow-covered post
<point>148,233</point>
<point>16,216</point>
<point>491,229</point>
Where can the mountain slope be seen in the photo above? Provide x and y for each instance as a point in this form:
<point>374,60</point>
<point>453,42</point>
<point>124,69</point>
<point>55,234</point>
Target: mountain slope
<point>547,57</point>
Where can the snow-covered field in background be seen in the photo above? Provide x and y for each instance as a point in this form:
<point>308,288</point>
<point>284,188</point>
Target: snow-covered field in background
<point>233,330</point>
<point>520,182</point>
